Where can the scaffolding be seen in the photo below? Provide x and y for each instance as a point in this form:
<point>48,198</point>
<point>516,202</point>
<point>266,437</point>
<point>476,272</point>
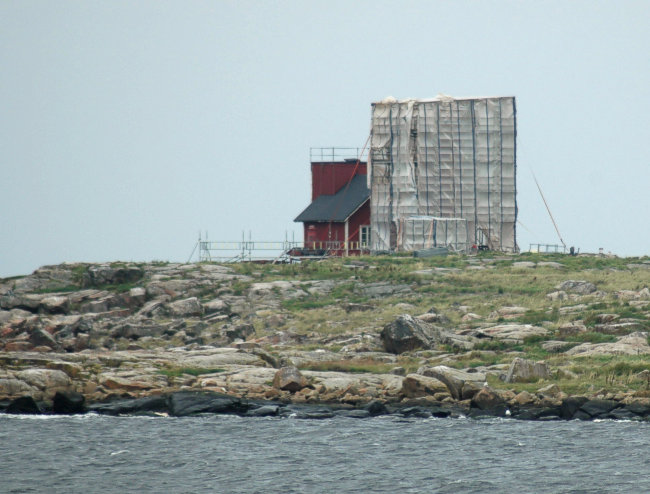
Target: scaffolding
<point>337,154</point>
<point>445,158</point>
<point>248,250</point>
<point>426,232</point>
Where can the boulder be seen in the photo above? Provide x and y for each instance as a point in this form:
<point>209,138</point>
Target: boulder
<point>571,405</point>
<point>48,380</point>
<point>135,297</point>
<point>376,408</point>
<point>405,334</point>
<point>152,308</point>
<point>555,346</point>
<point>580,287</point>
<point>631,344</point>
<point>25,405</point>
<point>620,328</point>
<point>189,307</point>
<point>103,274</point>
<point>455,380</point>
<point>11,388</point>
<point>432,317</point>
<point>552,390</point>
<point>524,398</point>
<point>490,401</point>
<point>571,329</point>
<point>39,337</point>
<point>55,305</point>
<point>289,379</point>
<point>522,370</point>
<point>186,403</point>
<point>415,385</point>
<point>512,333</point>
<point>216,306</point>
<point>144,405</point>
<point>264,411</point>
<point>599,408</point>
<point>68,403</point>
<point>239,332</point>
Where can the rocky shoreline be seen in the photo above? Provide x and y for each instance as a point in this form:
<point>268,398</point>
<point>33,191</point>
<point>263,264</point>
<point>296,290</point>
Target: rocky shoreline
<point>324,340</point>
<point>193,403</point>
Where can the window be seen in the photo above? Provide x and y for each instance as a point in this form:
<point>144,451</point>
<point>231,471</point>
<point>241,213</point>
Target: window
<point>364,236</point>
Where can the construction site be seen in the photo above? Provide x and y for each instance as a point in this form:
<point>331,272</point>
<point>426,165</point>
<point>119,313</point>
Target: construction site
<point>435,175</point>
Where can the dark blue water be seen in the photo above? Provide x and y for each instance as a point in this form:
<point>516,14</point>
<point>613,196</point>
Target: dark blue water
<point>225,454</point>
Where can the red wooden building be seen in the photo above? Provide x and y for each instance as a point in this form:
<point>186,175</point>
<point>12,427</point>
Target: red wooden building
<point>337,222</point>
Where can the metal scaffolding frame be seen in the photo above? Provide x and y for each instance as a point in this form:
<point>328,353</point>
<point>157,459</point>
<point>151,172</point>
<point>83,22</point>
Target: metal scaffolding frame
<point>444,157</point>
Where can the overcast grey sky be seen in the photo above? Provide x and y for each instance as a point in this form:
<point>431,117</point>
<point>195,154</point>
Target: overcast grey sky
<point>126,127</point>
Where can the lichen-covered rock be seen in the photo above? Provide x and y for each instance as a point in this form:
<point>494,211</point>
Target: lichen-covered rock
<point>488,399</point>
<point>188,307</point>
<point>12,388</point>
<point>406,334</point>
<point>289,379</point>
<point>522,370</point>
<point>580,287</point>
<point>571,329</point>
<point>216,306</point>
<point>55,304</point>
<point>512,333</point>
<point>104,274</point>
<point>631,344</point>
<point>455,380</point>
<point>415,385</point>
<point>48,380</point>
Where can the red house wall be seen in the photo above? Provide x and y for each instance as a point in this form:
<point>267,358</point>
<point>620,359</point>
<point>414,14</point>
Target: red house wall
<point>318,234</point>
<point>328,178</point>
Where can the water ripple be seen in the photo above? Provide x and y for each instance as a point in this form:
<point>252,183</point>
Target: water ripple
<point>88,454</point>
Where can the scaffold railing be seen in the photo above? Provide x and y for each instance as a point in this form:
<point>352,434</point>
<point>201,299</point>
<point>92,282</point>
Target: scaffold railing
<point>256,250</point>
<point>334,154</point>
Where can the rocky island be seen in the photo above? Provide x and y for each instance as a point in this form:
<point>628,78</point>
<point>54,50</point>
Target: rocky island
<point>528,336</point>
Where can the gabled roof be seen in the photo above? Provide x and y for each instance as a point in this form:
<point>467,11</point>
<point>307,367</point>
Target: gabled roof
<point>340,206</point>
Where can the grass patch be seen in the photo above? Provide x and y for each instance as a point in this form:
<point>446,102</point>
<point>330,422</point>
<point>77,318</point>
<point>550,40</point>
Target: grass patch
<point>537,317</point>
<point>499,346</point>
<point>590,337</point>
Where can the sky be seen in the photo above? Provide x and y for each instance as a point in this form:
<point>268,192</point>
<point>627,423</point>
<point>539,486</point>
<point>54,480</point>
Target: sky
<point>126,128</point>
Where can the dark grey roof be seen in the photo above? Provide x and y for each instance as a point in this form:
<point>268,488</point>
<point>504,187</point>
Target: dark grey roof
<point>340,206</point>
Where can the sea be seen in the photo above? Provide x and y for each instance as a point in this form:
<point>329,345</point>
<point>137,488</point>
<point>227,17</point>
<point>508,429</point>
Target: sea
<point>228,454</point>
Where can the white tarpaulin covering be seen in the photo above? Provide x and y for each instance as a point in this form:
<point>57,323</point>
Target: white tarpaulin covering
<point>445,158</point>
<point>424,232</point>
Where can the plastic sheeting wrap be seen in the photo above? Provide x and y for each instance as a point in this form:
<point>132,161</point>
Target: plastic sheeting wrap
<point>425,232</point>
<point>445,158</point>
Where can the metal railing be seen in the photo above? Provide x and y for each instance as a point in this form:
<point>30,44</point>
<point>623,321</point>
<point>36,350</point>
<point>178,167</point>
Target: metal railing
<point>253,250</point>
<point>337,154</point>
